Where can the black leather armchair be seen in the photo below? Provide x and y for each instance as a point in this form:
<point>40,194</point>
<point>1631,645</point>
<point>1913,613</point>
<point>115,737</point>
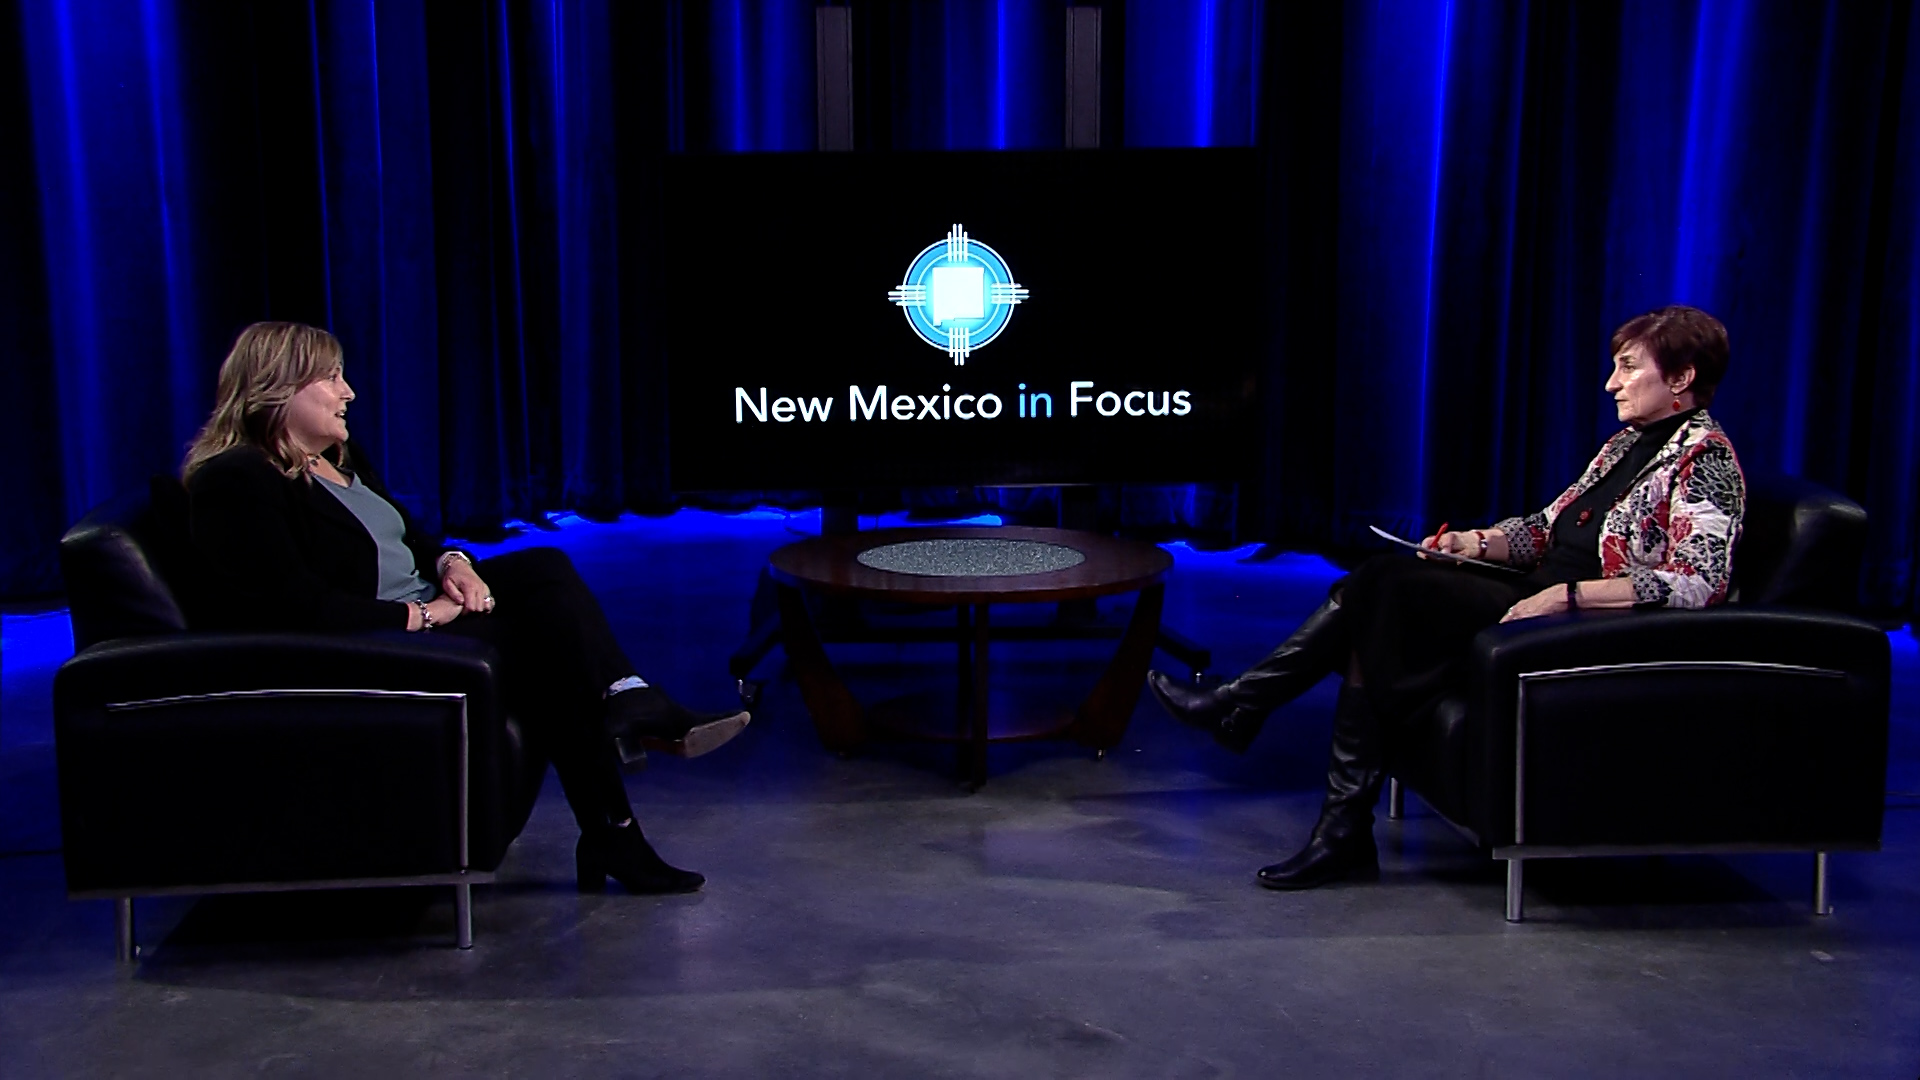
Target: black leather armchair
<point>203,762</point>
<point>1760,725</point>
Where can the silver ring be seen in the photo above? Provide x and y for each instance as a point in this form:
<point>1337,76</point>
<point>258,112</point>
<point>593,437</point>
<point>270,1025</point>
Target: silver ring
<point>489,603</point>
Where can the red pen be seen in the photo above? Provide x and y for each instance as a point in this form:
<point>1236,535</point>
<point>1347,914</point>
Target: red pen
<point>1437,535</point>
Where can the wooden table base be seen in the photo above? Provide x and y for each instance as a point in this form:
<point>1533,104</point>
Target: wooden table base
<point>1099,723</point>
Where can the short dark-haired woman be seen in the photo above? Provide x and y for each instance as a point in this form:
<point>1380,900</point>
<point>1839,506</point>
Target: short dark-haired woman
<point>1651,523</point>
<point>300,535</point>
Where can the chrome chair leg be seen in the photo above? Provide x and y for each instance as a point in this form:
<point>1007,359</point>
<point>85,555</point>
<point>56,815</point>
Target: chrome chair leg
<point>1822,900</point>
<point>1396,800</point>
<point>463,915</point>
<point>1515,913</point>
<point>123,946</point>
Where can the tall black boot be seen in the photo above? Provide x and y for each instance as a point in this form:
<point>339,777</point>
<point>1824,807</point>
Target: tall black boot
<point>1233,711</point>
<point>1341,844</point>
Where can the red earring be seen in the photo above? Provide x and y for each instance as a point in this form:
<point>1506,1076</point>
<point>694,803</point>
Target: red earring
<point>1676,404</point>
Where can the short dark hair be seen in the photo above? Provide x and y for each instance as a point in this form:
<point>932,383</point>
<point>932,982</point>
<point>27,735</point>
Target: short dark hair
<point>1680,337</point>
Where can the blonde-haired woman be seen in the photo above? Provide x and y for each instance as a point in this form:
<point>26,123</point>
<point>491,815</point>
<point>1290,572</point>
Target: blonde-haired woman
<point>300,535</point>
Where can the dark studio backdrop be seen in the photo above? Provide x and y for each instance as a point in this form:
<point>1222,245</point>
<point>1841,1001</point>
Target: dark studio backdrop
<point>1459,200</point>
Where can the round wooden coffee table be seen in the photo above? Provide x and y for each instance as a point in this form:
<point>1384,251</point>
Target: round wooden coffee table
<point>971,569</point>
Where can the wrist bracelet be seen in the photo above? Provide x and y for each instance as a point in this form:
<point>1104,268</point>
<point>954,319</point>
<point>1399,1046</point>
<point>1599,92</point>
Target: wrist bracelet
<point>1573,596</point>
<point>446,560</point>
<point>1483,542</point>
<point>426,617</point>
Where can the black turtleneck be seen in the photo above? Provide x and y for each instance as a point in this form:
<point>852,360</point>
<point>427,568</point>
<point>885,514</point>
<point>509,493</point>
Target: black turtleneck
<point>1573,549</point>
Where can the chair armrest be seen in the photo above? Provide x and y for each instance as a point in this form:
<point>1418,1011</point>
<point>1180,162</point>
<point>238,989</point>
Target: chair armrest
<point>1721,727</point>
<point>226,759</point>
<point>176,665</point>
<point>1807,638</point>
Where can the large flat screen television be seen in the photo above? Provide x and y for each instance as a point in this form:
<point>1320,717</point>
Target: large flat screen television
<point>863,320</point>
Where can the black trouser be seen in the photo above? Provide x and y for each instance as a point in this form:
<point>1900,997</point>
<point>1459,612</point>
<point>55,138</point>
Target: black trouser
<point>1412,621</point>
<point>557,658</point>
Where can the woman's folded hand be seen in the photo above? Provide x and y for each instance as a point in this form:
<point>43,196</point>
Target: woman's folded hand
<point>1551,600</point>
<point>443,609</point>
<point>463,586</point>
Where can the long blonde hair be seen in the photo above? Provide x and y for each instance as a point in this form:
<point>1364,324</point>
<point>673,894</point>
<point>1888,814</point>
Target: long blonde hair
<point>270,362</point>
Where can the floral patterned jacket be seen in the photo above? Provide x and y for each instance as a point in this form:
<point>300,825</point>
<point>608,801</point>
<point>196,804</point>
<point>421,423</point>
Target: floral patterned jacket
<point>1674,531</point>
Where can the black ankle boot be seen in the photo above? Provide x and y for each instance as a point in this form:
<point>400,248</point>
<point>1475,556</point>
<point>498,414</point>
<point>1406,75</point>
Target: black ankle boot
<point>1234,711</point>
<point>645,718</point>
<point>623,854</point>
<point>1341,847</point>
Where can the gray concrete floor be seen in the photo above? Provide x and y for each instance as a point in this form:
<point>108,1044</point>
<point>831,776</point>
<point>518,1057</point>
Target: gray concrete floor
<point>1076,918</point>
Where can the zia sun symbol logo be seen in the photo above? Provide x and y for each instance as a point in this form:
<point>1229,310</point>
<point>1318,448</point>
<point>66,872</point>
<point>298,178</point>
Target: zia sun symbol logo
<point>958,294</point>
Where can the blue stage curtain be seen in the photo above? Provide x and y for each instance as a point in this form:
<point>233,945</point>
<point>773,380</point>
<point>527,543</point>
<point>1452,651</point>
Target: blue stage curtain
<point>31,461</point>
<point>971,74</point>
<point>742,75</point>
<point>1463,198</point>
<point>1192,72</point>
<point>101,294</point>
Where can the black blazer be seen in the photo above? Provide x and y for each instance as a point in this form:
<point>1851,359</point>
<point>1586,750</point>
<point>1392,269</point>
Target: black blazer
<point>281,554</point>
